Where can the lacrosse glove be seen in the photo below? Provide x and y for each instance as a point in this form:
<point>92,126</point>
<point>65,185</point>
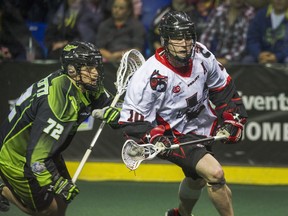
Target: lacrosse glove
<point>232,128</point>
<point>156,136</point>
<point>66,189</point>
<point>109,114</point>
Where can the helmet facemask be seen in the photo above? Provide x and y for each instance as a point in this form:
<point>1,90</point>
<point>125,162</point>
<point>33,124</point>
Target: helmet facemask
<point>179,49</point>
<point>88,77</point>
<point>178,37</point>
<point>87,62</point>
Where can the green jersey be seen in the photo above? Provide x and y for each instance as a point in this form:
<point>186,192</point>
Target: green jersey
<point>43,123</point>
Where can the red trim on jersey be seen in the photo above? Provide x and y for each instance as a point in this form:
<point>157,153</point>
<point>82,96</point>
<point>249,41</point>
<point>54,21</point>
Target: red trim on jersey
<point>236,99</point>
<point>215,123</point>
<point>214,127</point>
<point>221,88</point>
<point>161,121</point>
<point>220,107</point>
<point>177,133</point>
<point>185,71</point>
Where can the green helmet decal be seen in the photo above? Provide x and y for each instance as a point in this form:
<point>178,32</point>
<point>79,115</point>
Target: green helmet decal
<point>80,54</point>
<point>69,47</point>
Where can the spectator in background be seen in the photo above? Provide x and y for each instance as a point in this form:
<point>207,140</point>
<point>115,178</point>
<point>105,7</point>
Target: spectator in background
<point>36,10</point>
<point>214,2</point>
<point>201,14</point>
<point>267,39</point>
<point>10,47</point>
<point>120,32</point>
<point>62,28</point>
<point>149,11</point>
<point>90,20</point>
<point>198,11</point>
<point>257,4</point>
<point>15,35</point>
<point>137,8</point>
<point>74,20</point>
<point>226,32</point>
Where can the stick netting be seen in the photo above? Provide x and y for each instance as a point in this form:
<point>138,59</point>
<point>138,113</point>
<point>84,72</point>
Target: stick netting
<point>130,62</point>
<point>133,153</point>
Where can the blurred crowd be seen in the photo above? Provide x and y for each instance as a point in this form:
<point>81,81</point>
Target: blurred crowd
<point>236,31</point>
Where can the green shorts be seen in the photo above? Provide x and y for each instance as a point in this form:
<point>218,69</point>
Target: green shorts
<point>26,188</point>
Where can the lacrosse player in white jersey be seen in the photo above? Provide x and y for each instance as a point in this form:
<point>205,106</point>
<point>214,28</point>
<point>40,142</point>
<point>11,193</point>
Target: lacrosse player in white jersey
<point>168,100</point>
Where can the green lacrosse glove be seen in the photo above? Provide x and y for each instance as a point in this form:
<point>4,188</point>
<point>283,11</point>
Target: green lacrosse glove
<point>109,114</point>
<point>66,189</point>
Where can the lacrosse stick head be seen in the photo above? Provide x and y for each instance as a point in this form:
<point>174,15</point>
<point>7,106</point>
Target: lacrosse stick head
<point>130,62</point>
<point>133,153</point>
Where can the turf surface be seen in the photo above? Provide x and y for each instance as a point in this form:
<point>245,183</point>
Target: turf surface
<point>109,198</point>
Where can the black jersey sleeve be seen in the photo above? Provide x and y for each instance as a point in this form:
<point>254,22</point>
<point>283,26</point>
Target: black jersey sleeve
<point>136,130</point>
<point>101,100</point>
<point>228,99</point>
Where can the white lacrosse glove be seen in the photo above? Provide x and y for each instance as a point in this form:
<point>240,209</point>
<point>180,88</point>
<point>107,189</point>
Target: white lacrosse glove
<point>109,114</point>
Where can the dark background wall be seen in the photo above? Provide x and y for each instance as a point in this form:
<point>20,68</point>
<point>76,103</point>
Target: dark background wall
<point>263,87</point>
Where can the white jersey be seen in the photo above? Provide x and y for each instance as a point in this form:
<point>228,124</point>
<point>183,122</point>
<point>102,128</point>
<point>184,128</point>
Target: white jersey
<point>159,94</point>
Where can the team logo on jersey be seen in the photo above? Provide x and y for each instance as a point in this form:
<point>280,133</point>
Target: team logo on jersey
<point>176,89</point>
<point>194,106</point>
<point>158,82</point>
<point>38,167</point>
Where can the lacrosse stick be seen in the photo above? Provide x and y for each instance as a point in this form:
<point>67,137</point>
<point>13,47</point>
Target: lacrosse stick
<point>130,62</point>
<point>133,153</point>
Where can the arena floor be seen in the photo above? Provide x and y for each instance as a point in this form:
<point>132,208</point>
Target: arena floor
<point>125,198</point>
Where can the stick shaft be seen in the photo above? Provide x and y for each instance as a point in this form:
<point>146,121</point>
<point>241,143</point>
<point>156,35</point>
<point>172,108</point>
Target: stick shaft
<point>121,88</point>
<point>81,165</point>
<point>88,151</point>
<point>208,139</point>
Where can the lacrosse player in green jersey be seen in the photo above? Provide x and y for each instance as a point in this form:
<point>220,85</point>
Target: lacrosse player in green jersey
<point>41,126</point>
